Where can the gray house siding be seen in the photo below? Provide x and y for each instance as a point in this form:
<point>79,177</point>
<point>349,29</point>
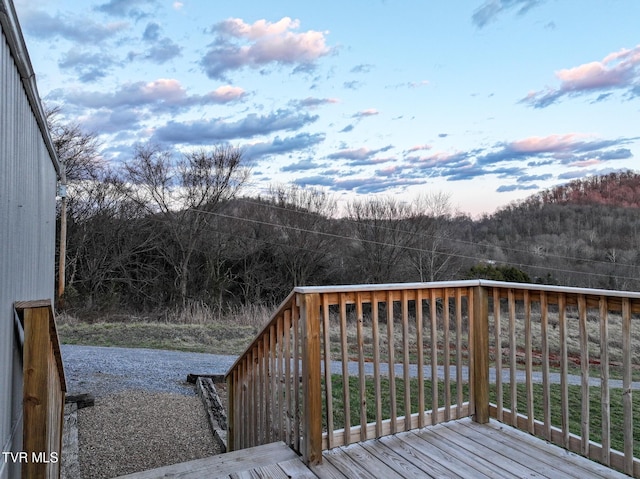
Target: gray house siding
<point>28,177</point>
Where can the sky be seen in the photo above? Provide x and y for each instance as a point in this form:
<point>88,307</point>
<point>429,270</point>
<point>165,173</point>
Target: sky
<point>487,101</point>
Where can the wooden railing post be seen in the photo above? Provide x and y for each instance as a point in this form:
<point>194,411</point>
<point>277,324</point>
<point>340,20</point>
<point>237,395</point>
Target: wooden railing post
<point>311,373</point>
<point>231,412</point>
<point>480,340</point>
<point>44,390</point>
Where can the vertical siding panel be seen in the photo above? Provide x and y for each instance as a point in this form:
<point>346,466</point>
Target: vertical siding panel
<point>27,230</point>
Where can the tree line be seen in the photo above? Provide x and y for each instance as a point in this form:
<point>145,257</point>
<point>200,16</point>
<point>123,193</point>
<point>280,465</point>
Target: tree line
<point>165,229</point>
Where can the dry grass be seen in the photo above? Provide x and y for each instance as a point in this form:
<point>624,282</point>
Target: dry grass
<point>614,345</point>
<point>196,328</point>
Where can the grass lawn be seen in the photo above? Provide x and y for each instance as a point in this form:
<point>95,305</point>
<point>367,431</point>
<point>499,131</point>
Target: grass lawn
<point>222,338</point>
<point>575,401</point>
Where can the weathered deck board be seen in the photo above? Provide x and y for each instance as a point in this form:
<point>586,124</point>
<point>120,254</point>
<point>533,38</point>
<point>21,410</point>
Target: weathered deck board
<point>459,463</point>
<point>223,465</point>
<point>462,449</point>
<point>553,457</point>
<point>454,449</point>
<point>507,462</point>
<point>433,466</point>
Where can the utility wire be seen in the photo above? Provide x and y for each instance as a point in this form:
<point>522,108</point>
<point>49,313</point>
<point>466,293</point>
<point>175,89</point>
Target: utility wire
<point>425,235</point>
<point>405,247</point>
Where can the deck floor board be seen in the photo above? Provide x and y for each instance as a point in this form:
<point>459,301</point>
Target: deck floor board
<point>508,460</point>
<point>455,449</point>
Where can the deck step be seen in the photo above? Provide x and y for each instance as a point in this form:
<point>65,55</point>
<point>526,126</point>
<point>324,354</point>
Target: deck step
<point>222,465</point>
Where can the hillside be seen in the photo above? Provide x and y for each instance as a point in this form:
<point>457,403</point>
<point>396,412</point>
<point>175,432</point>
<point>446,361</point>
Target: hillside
<point>583,233</point>
<point>615,189</point>
<point>252,251</point>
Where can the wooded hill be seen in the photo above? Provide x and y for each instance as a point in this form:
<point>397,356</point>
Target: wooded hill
<point>619,189</point>
<point>129,247</point>
<point>583,233</point>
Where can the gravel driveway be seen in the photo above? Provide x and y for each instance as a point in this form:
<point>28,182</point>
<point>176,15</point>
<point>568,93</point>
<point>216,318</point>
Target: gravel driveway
<point>102,371</point>
<point>145,415</point>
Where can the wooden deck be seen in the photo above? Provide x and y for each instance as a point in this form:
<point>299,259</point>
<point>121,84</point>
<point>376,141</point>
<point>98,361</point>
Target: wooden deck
<point>456,449</point>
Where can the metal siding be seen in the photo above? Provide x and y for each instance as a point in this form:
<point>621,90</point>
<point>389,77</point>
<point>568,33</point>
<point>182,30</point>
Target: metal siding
<point>27,235</point>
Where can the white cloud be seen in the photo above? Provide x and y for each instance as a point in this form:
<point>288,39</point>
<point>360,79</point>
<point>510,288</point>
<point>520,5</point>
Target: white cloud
<point>256,45</point>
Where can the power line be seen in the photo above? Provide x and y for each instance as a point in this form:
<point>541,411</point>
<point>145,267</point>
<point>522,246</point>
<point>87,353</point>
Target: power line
<point>425,235</point>
<point>405,247</point>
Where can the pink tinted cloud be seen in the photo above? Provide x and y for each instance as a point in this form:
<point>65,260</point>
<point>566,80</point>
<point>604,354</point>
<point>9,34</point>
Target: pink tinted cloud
<point>618,70</point>
<point>419,148</point>
<point>226,94</point>
<point>163,94</point>
<point>586,163</point>
<point>367,112</point>
<point>236,27</point>
<point>551,143</point>
<point>261,43</point>
<point>389,170</point>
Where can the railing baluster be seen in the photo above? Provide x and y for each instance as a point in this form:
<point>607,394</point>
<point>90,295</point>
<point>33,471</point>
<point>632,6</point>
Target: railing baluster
<point>405,361</point>
<point>604,382</point>
<point>231,410</point>
<point>446,353</point>
<point>498,352</point>
<point>287,378</point>
<point>295,321</point>
<point>512,358</point>
<point>345,369</point>
<point>564,368</point>
<point>459,382</point>
<point>434,356</point>
<point>376,361</point>
<point>262,409</point>
<point>362,377</point>
<point>546,391</point>
<point>245,405</point>
<point>420,359</point>
<point>273,396</point>
<point>528,361</point>
<point>328,386</point>
<point>627,402</point>
<point>584,367</point>
<point>279,406</point>
<point>392,366</point>
<point>253,396</point>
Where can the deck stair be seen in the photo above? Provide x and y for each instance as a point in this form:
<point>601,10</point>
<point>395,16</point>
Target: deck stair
<point>274,460</point>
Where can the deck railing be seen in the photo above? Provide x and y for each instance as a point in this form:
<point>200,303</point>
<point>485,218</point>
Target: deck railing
<point>337,365</point>
<point>44,390</point>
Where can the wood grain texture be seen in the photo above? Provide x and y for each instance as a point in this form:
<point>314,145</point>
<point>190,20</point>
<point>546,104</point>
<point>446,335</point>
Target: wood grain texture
<point>43,390</point>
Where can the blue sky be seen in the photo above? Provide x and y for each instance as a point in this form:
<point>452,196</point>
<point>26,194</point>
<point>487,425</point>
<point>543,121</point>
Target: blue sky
<point>488,101</point>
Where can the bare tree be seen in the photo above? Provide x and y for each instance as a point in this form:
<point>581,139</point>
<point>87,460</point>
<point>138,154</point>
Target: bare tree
<point>305,248</point>
<point>432,254</point>
<point>182,194</point>
<point>381,238</point>
<point>77,149</point>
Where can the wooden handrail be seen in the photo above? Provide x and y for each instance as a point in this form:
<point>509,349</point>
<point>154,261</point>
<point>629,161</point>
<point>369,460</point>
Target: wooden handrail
<point>43,391</point>
<point>308,377</point>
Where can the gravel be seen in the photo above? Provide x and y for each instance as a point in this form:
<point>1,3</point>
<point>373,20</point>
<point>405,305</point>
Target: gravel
<point>136,430</point>
<point>102,371</point>
<point>145,415</point>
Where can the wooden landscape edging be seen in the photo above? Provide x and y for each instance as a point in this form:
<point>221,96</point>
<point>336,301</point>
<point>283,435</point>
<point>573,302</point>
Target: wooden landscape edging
<point>216,414</point>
